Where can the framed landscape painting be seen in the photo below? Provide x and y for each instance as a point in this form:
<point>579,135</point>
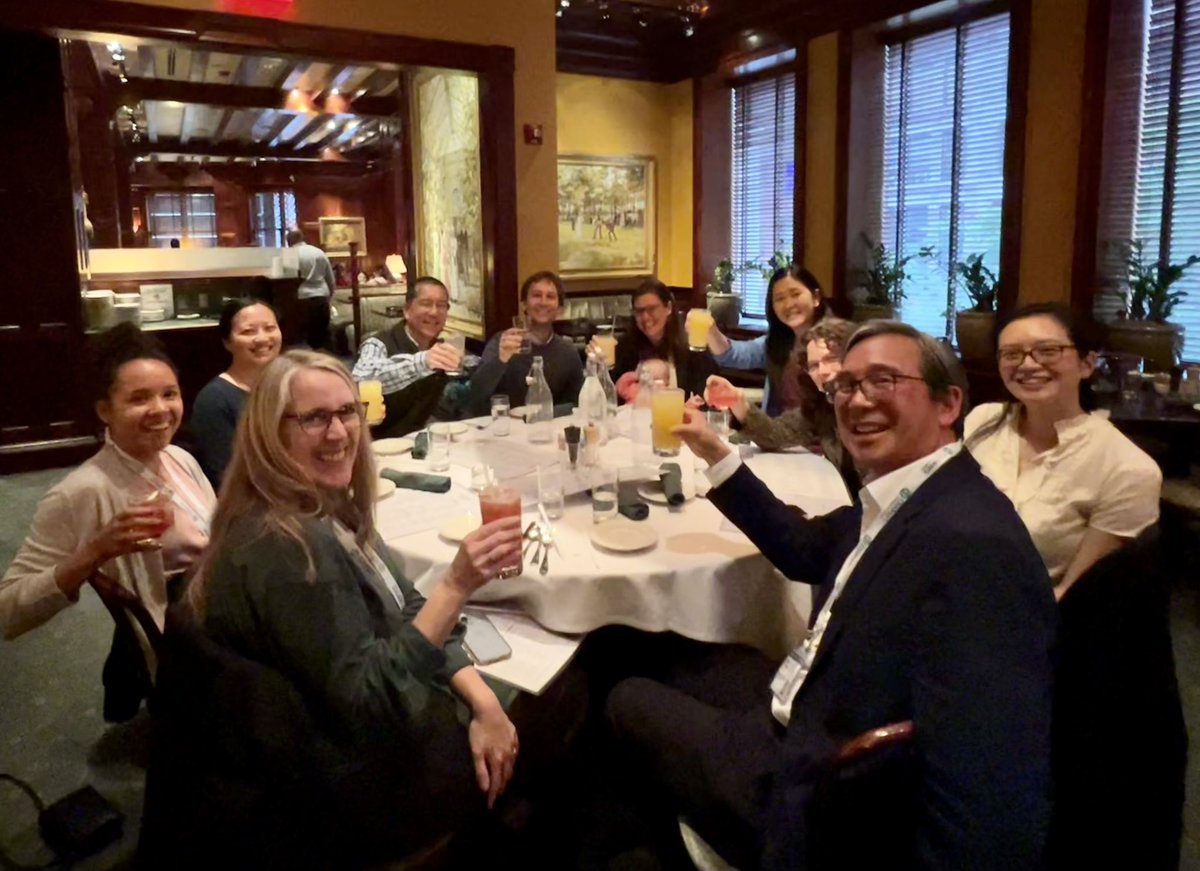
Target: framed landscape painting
<point>338,233</point>
<point>605,216</point>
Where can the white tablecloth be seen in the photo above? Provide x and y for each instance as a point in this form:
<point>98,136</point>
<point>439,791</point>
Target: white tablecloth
<point>703,579</point>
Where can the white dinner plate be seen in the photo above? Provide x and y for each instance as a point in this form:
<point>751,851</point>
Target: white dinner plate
<point>391,447</point>
<point>453,427</point>
<point>652,491</point>
<point>520,411</point>
<point>457,528</point>
<point>384,488</point>
<point>622,534</point>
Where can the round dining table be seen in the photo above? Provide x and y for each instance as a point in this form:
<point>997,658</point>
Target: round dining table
<point>702,579</point>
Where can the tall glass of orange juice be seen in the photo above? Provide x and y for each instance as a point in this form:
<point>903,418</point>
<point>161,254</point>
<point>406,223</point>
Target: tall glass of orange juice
<point>371,393</point>
<point>497,501</point>
<point>699,321</point>
<point>606,341</point>
<point>666,412</point>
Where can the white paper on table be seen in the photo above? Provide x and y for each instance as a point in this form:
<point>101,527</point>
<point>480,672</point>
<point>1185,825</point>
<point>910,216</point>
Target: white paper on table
<point>538,655</point>
<point>410,511</point>
<point>507,459</point>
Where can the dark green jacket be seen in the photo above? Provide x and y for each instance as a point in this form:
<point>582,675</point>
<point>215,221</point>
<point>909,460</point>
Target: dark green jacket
<point>362,668</point>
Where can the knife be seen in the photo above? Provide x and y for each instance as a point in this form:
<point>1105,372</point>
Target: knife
<point>549,529</point>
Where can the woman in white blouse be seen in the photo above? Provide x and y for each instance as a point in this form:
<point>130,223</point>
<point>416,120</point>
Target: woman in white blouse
<point>96,518</point>
<point>1081,487</point>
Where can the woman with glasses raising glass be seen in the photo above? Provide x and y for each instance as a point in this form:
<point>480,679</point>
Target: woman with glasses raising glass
<point>298,579</point>
<point>1081,487</point>
<point>658,335</point>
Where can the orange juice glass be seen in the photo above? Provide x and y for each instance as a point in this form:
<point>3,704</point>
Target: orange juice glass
<point>606,341</point>
<point>371,393</point>
<point>699,321</point>
<point>666,412</point>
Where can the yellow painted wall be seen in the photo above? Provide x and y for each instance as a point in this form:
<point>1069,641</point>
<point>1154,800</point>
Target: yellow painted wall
<point>525,25</point>
<point>615,117</point>
<point>820,179</point>
<point>1052,131</point>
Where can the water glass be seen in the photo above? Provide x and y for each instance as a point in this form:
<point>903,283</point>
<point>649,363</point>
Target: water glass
<point>439,450</point>
<point>718,419</point>
<point>604,493</point>
<point>520,322</point>
<point>500,416</point>
<point>1189,384</point>
<point>550,489</point>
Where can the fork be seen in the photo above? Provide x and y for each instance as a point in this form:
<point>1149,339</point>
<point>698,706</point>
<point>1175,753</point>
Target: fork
<point>547,539</point>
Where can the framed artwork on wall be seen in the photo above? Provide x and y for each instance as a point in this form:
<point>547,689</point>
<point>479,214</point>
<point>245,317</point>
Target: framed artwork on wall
<point>606,216</point>
<point>337,234</point>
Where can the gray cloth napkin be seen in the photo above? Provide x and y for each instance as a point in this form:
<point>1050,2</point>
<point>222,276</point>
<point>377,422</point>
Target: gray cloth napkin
<point>420,446</point>
<point>672,483</point>
<point>630,505</point>
<point>418,481</point>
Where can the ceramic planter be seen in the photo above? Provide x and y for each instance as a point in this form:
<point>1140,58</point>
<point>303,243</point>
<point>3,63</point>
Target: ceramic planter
<point>726,309</point>
<point>974,333</point>
<point>865,311</point>
<point>1160,345</point>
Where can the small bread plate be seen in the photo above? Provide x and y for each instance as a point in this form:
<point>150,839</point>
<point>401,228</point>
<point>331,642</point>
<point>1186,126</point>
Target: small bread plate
<point>384,488</point>
<point>391,447</point>
<point>520,411</point>
<point>652,491</point>
<point>453,427</point>
<point>622,534</point>
<point>457,528</point>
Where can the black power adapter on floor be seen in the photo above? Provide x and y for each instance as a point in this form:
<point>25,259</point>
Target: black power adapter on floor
<point>77,825</point>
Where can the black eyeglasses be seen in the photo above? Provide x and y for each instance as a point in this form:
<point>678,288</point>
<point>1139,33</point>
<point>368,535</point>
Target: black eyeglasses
<point>317,422</point>
<point>873,386</point>
<point>1047,353</point>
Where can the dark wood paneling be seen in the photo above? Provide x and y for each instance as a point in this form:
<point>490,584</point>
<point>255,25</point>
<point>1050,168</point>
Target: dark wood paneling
<point>498,178</point>
<point>40,317</point>
<point>1091,152</point>
<point>699,279</point>
<point>800,187</point>
<point>841,166</point>
<point>1014,156</point>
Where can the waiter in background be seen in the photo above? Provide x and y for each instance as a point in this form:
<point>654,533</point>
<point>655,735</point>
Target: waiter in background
<point>315,291</point>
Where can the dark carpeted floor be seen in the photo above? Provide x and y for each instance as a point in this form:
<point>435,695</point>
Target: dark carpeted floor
<point>53,736</point>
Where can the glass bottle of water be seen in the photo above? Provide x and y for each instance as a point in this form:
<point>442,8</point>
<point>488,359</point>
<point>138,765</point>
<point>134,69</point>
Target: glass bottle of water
<point>639,419</point>
<point>593,403</point>
<point>610,397</point>
<point>540,401</point>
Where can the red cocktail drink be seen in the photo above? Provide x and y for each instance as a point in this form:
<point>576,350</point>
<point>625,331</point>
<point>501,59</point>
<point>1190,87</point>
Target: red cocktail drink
<point>496,502</point>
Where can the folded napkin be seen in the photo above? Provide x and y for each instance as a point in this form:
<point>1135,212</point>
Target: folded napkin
<point>672,482</point>
<point>418,481</point>
<point>564,409</point>
<point>629,504</point>
<point>420,445</point>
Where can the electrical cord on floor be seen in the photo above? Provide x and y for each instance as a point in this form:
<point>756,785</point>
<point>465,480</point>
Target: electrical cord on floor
<point>40,806</point>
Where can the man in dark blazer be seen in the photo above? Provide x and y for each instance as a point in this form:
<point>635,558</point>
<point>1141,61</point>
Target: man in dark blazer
<point>934,607</point>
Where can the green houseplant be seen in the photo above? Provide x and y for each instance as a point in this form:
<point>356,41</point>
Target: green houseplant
<point>1148,302</point>
<point>973,327</point>
<point>883,280</point>
<point>725,305</point>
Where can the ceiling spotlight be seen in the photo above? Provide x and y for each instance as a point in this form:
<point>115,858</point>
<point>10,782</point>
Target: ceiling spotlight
<point>335,92</point>
<point>689,29</point>
<point>558,13</point>
<point>564,3</point>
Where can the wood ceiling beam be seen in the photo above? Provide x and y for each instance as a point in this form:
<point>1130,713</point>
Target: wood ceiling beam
<point>227,96</point>
<point>222,149</point>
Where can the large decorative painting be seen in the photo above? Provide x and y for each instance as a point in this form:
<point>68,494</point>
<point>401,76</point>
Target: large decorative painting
<point>449,192</point>
<point>337,234</point>
<point>605,216</point>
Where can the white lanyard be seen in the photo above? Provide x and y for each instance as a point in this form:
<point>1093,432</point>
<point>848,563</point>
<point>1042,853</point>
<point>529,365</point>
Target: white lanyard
<point>200,517</point>
<point>374,563</point>
<point>791,674</point>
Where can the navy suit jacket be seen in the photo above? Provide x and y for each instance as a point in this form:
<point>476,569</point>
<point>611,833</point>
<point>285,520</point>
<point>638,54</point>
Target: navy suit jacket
<point>948,620</point>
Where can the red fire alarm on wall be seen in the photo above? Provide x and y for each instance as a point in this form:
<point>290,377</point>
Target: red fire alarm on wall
<point>533,134</point>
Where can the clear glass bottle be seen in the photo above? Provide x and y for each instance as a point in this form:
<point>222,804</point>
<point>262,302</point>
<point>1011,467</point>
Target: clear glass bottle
<point>540,415</point>
<point>593,403</point>
<point>639,419</point>
<point>610,397</point>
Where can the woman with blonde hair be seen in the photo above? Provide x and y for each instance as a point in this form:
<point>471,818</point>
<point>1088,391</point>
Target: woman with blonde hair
<point>297,579</point>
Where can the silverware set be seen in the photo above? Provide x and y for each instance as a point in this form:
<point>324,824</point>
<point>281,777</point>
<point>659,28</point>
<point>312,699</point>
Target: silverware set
<point>541,539</point>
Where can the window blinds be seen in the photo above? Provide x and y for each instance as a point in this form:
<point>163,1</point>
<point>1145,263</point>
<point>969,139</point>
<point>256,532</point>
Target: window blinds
<point>763,180</point>
<point>945,107</point>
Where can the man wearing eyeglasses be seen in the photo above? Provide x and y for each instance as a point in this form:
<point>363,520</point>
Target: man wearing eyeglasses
<point>409,360</point>
<point>932,606</point>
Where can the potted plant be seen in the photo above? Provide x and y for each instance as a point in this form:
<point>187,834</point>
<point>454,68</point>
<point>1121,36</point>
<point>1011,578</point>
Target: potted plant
<point>1148,303</point>
<point>883,281</point>
<point>973,327</point>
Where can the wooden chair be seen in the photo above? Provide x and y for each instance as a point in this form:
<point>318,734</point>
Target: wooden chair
<point>123,604</point>
<point>128,671</point>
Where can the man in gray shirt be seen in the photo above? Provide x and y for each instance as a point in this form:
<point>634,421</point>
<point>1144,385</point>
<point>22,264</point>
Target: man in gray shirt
<point>315,291</point>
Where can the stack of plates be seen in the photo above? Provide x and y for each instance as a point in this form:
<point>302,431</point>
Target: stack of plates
<point>153,314</point>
